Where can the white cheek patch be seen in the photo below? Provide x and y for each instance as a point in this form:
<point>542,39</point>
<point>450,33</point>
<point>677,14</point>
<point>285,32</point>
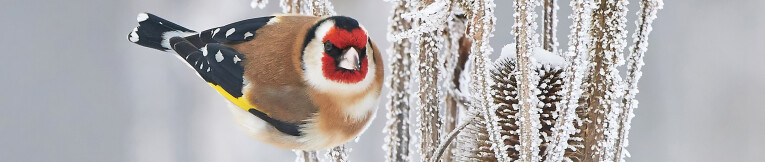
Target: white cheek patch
<point>314,75</point>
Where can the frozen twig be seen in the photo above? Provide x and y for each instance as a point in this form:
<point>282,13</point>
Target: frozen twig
<point>430,43</point>
<point>646,15</point>
<point>449,138</point>
<point>565,126</point>
<point>550,42</point>
<point>338,154</point>
<point>397,128</point>
<point>528,115</point>
<point>306,156</point>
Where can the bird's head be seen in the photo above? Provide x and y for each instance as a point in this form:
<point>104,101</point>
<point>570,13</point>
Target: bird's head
<point>338,55</point>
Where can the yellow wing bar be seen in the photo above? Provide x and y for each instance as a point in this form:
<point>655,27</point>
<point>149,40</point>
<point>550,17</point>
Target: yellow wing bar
<point>238,101</point>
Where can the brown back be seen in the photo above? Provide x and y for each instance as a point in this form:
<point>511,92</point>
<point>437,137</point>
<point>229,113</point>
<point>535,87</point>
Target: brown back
<point>272,65</point>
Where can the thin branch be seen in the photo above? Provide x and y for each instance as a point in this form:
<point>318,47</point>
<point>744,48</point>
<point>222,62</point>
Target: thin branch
<point>397,128</point>
<point>448,140</point>
<point>338,154</point>
<point>646,14</point>
<point>550,24</point>
<point>606,54</point>
<point>565,128</point>
<point>528,116</point>
<point>481,21</point>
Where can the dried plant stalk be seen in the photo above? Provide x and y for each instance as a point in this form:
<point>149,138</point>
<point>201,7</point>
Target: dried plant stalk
<point>567,141</point>
<point>397,127</point>
<point>455,56</point>
<point>306,156</point>
<point>605,83</point>
<point>291,6</point>
<point>473,142</point>
<point>528,116</point>
<point>428,112</point>
<point>646,15</point>
<point>481,20</point>
<point>338,154</point>
<point>550,42</point>
<point>319,8</point>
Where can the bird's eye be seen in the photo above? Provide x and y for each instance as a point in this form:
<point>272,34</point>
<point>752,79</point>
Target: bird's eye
<point>328,46</point>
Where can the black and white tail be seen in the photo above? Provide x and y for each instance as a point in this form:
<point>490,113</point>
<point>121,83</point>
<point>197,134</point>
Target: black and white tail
<point>155,32</point>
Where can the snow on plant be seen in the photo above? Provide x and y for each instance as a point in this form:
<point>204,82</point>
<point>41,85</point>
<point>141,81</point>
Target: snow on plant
<point>532,104</point>
<point>397,127</point>
<point>646,15</point>
<point>579,42</point>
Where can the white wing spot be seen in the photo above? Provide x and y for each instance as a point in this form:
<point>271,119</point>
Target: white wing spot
<point>236,59</point>
<point>230,31</point>
<point>219,56</point>
<point>142,17</point>
<point>133,35</point>
<point>273,21</point>
<point>248,34</point>
<point>201,66</point>
<point>208,69</point>
<point>215,31</point>
<point>204,50</point>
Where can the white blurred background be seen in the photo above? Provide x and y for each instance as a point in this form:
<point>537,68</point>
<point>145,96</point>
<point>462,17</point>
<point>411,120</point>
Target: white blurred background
<point>72,88</point>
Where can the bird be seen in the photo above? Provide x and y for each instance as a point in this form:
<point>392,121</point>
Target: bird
<point>297,82</point>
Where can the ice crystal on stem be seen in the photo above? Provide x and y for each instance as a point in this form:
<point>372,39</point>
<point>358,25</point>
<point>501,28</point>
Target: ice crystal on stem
<point>528,115</point>
<point>605,87</point>
<point>397,128</point>
<point>473,142</point>
<point>646,15</point>
<point>550,42</point>
<point>308,7</point>
<point>258,4</point>
<point>430,43</point>
<point>453,63</point>
<point>338,154</point>
<point>306,156</point>
<point>565,127</point>
<point>481,20</point>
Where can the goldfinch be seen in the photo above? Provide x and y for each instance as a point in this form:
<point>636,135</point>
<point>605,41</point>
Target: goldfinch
<point>299,82</point>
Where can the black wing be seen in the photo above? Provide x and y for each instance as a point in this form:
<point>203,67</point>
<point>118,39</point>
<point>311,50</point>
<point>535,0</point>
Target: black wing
<point>233,33</point>
<point>215,63</point>
<point>221,66</point>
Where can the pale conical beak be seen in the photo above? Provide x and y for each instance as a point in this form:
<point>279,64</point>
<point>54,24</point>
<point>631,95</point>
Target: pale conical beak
<point>350,60</point>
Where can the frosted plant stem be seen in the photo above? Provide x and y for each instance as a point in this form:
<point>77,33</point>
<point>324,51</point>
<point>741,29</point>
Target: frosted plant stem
<point>550,23</point>
<point>258,4</point>
<point>608,33</point>
<point>429,111</point>
<point>528,116</point>
<point>565,127</point>
<point>451,72</point>
<point>481,20</point>
<point>338,154</point>
<point>646,15</point>
<point>290,6</point>
<point>449,138</point>
<point>306,156</point>
<point>397,128</point>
